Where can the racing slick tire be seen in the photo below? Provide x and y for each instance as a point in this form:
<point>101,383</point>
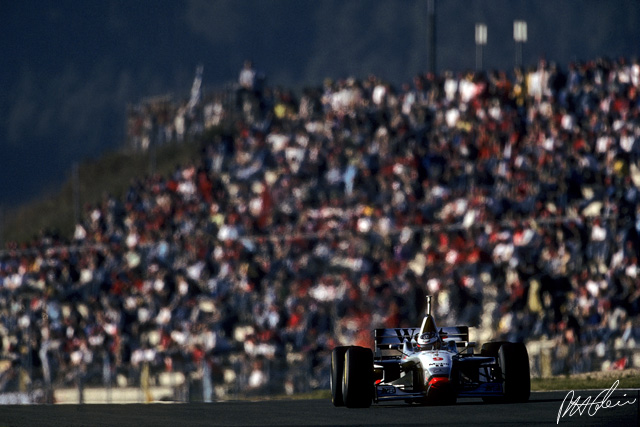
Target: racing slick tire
<point>357,381</point>
<point>516,379</point>
<point>337,372</point>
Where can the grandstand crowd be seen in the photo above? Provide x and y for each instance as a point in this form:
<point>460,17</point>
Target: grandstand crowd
<point>308,220</point>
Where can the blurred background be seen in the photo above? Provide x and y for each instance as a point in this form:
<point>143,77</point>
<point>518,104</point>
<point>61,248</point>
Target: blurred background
<point>200,200</point>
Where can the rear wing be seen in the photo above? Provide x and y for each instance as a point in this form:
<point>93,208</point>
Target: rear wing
<point>458,333</point>
<point>393,338</point>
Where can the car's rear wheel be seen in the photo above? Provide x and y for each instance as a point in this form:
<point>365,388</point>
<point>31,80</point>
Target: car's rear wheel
<point>357,381</point>
<point>337,371</point>
<point>516,378</point>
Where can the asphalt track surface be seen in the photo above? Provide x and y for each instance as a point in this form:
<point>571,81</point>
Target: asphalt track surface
<point>542,409</point>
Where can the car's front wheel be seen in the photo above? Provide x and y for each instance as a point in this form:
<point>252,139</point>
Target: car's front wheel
<point>514,364</point>
<point>337,371</point>
<point>357,381</point>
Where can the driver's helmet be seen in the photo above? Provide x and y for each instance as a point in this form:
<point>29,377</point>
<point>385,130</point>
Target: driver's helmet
<point>428,341</point>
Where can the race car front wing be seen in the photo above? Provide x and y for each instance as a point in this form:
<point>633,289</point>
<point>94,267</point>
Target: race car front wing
<point>384,392</point>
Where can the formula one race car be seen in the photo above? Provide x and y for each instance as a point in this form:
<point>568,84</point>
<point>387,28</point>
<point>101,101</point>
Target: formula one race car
<point>428,365</point>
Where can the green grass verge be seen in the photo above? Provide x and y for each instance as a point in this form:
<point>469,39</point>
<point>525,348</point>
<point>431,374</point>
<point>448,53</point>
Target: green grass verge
<point>629,378</point>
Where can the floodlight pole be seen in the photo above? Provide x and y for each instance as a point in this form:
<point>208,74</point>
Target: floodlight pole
<point>520,37</point>
<point>481,40</point>
<point>431,12</point>
<point>1,227</point>
<point>75,179</point>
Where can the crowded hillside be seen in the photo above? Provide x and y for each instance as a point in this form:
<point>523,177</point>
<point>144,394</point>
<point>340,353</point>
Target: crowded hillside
<point>311,218</point>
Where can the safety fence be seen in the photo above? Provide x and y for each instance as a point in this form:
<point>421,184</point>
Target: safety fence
<point>226,377</point>
<point>237,376</point>
<point>549,358</point>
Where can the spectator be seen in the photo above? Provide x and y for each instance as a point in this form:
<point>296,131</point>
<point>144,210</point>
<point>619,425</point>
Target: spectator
<point>514,202</point>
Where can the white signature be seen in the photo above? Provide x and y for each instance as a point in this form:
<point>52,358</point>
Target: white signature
<point>600,402</point>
